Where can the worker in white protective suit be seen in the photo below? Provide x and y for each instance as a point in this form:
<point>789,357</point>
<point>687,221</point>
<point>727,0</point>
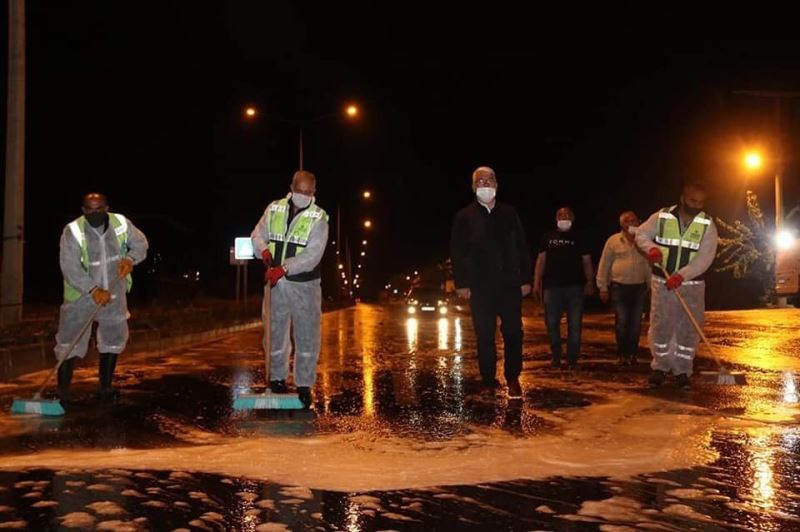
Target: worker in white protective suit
<point>96,249</point>
<point>682,239</point>
<point>291,238</point>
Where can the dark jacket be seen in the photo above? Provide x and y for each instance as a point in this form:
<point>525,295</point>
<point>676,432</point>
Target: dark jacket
<point>489,250</point>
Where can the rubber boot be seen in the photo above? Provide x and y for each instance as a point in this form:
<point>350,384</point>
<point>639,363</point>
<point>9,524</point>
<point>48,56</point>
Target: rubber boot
<point>278,386</point>
<point>108,362</point>
<point>65,379</point>
<point>304,394</point>
<point>657,378</point>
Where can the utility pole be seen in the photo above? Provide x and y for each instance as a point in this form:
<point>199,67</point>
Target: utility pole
<point>13,221</point>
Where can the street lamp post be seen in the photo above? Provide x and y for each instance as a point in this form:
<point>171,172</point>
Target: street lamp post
<point>753,162</point>
<point>11,274</point>
<point>351,112</point>
<point>777,98</point>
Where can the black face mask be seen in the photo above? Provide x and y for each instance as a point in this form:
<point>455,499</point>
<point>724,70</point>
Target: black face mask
<point>97,219</point>
<point>694,211</point>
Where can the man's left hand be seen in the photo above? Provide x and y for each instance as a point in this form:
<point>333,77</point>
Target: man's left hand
<point>526,290</point>
<point>124,268</point>
<point>674,281</point>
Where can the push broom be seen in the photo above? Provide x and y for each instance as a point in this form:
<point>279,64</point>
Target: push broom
<point>723,376</point>
<point>53,407</point>
<point>267,400</point>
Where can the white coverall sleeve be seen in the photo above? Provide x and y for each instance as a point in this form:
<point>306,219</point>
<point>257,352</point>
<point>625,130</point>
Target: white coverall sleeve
<point>310,257</point>
<point>260,234</point>
<point>70,260</point>
<point>137,244</point>
<point>646,233</point>
<point>705,255</point>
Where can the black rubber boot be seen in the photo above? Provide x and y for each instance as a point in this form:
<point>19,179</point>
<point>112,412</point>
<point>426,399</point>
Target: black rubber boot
<point>657,378</point>
<point>683,382</point>
<point>65,379</point>
<point>278,386</point>
<point>304,393</point>
<point>108,362</point>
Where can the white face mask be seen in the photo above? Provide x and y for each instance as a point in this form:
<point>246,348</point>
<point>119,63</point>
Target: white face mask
<point>632,229</point>
<point>301,201</point>
<point>486,194</point>
<point>564,225</point>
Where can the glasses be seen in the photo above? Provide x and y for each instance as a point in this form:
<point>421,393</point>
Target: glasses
<point>486,181</point>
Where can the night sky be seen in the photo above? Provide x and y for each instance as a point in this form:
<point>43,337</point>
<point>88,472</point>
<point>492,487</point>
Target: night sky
<point>145,104</point>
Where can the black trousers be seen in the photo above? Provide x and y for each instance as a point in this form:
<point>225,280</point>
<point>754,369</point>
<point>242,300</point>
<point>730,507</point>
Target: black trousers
<point>487,305</point>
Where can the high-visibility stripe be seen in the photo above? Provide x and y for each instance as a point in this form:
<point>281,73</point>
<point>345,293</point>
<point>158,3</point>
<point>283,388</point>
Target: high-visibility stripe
<point>668,241</point>
<point>75,229</point>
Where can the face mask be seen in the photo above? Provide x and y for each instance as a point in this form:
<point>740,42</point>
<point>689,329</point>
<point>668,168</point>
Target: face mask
<point>485,194</point>
<point>564,225</point>
<point>632,229</point>
<point>694,211</point>
<point>97,219</point>
<point>301,201</point>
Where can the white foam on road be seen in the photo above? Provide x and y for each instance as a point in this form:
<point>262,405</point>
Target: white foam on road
<point>629,435</point>
<point>106,508</point>
<point>78,520</point>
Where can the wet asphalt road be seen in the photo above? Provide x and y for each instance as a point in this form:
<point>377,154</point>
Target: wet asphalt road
<point>402,394</point>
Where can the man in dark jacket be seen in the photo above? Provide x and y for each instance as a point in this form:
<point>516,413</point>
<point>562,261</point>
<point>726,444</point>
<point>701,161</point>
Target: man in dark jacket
<point>492,268</point>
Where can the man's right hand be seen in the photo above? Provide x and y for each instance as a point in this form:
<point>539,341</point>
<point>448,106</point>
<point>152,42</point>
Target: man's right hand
<point>604,296</point>
<point>463,293</point>
<point>655,256</point>
<point>266,258</point>
<point>101,297</point>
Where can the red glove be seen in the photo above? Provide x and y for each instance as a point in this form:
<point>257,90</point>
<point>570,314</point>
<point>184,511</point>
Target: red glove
<point>654,255</point>
<point>266,258</point>
<point>674,281</point>
<point>272,275</point>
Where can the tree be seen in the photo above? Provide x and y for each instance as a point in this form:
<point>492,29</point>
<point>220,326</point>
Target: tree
<point>746,249</point>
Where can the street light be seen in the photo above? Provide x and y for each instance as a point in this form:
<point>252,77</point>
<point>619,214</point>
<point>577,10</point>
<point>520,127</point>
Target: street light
<point>367,224</point>
<point>366,194</point>
<point>351,111</point>
<point>784,239</point>
<point>753,161</point>
<point>363,242</point>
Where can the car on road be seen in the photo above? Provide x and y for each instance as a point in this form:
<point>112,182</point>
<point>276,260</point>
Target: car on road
<point>428,300</point>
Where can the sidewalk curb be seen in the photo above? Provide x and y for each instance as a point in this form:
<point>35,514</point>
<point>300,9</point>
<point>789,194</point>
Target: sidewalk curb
<point>19,360</point>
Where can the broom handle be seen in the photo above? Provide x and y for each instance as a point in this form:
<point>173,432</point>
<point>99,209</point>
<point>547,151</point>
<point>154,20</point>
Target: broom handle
<point>692,318</point>
<point>267,327</point>
<point>74,342</point>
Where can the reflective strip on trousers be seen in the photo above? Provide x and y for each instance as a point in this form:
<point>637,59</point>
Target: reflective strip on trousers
<point>685,352</point>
